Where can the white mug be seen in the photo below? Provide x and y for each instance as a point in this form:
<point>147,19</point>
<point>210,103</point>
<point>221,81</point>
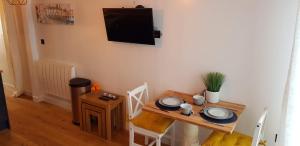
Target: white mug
<point>198,99</point>
<point>186,108</point>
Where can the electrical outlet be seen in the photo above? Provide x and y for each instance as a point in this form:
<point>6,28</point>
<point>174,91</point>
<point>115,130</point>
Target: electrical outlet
<point>42,41</point>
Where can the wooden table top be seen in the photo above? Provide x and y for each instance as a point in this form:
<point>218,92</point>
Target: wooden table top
<point>196,119</point>
<point>94,99</point>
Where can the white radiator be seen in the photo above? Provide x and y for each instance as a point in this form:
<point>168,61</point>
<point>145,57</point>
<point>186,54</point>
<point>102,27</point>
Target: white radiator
<point>54,77</point>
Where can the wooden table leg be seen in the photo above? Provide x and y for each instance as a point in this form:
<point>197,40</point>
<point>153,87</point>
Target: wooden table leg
<point>114,118</point>
<point>118,118</point>
<point>108,123</point>
<point>123,114</point>
<point>190,135</point>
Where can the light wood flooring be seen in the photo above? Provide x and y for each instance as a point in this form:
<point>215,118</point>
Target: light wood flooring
<point>42,124</point>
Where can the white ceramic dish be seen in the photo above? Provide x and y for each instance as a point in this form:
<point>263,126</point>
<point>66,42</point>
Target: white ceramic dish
<point>218,113</point>
<point>170,101</point>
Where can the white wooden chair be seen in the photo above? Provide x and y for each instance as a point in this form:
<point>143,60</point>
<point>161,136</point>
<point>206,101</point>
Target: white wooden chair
<point>145,123</point>
<point>237,139</point>
<point>258,134</point>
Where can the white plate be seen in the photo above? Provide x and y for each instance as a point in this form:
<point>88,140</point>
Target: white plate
<point>170,101</point>
<point>218,113</point>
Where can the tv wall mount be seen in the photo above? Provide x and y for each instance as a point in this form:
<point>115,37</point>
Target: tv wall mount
<point>139,6</point>
<point>156,33</point>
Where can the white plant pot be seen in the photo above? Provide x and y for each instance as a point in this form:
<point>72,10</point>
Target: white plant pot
<point>212,97</point>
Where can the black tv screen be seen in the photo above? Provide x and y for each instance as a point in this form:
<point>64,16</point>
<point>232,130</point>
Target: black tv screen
<point>132,25</point>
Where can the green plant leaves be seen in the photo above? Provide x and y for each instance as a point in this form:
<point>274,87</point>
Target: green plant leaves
<point>214,81</point>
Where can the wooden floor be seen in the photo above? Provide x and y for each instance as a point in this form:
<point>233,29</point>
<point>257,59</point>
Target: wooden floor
<point>43,124</point>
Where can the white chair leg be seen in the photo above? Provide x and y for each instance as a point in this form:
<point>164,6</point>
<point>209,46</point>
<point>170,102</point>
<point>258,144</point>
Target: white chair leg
<point>131,137</point>
<point>173,136</point>
<point>146,140</point>
<point>158,141</point>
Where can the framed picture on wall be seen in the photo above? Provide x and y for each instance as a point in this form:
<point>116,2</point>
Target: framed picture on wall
<point>55,13</point>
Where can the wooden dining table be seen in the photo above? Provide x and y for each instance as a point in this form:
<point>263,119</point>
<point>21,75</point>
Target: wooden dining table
<point>195,120</point>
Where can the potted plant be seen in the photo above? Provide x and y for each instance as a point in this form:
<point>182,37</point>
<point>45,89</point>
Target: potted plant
<point>213,82</point>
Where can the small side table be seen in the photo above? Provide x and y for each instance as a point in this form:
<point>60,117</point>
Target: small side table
<point>99,116</point>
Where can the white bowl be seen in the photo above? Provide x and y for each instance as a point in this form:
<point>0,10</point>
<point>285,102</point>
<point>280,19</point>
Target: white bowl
<point>198,99</point>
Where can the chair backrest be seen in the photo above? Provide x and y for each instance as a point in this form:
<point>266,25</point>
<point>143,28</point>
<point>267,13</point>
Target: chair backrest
<point>258,134</point>
<point>137,99</point>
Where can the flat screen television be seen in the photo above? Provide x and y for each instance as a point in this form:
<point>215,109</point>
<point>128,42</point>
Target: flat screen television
<point>131,25</point>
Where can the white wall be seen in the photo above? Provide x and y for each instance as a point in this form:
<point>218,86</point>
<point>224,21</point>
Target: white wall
<point>13,36</point>
<point>22,50</point>
<point>4,64</point>
<point>250,41</point>
<point>275,26</point>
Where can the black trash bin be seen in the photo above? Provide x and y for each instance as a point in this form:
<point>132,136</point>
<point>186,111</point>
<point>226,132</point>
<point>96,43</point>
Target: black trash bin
<point>79,86</point>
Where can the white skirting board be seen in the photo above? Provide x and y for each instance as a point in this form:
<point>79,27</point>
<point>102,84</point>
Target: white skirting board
<point>10,90</point>
<point>66,104</point>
